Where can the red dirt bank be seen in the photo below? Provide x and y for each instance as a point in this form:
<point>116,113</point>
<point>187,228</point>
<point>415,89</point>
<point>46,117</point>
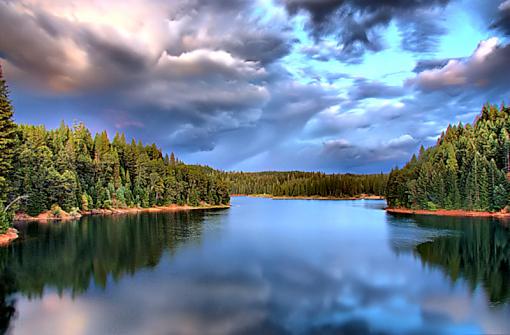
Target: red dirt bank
<point>47,216</point>
<point>8,237</point>
<point>444,212</point>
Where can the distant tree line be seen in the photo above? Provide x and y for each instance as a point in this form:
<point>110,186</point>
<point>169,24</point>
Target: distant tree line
<point>466,169</point>
<point>295,183</point>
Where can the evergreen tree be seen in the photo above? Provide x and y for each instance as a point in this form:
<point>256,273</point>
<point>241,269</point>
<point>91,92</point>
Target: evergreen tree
<point>296,183</point>
<point>7,138</point>
<point>467,168</point>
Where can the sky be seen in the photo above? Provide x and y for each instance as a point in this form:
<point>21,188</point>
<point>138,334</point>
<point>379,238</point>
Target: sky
<point>316,85</point>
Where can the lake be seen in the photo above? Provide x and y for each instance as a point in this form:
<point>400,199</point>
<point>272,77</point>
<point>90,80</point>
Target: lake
<point>261,267</point>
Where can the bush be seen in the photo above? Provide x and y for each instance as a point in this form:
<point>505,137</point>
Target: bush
<point>56,211</point>
<point>431,206</point>
<point>107,204</point>
<point>5,220</point>
<point>85,202</point>
<point>75,211</point>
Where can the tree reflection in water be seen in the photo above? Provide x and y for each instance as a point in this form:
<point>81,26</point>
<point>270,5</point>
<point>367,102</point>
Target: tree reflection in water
<point>473,249</point>
<point>71,256</point>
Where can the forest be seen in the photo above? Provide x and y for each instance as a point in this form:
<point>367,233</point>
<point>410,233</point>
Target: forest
<point>68,168</point>
<point>466,169</point>
<point>308,184</point>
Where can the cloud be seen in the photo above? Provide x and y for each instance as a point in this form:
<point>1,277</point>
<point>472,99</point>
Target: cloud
<point>349,155</point>
<point>339,144</point>
<point>356,24</point>
<point>246,84</point>
<point>197,68</point>
<point>325,51</point>
<point>421,30</point>
<point>201,63</point>
<point>65,47</point>
<point>378,134</point>
<point>430,64</point>
<point>362,116</point>
<point>290,106</point>
<point>403,140</point>
<point>75,45</point>
<point>502,23</point>
<point>364,89</point>
<point>485,69</point>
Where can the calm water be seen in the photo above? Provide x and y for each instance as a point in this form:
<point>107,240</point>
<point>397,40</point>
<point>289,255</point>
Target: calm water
<point>262,267</point>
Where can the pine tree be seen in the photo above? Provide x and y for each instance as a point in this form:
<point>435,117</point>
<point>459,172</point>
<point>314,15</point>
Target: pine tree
<point>467,168</point>
<point>484,190</point>
<point>7,138</point>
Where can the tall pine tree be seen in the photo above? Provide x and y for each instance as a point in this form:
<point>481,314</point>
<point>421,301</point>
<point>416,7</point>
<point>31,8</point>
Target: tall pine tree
<point>7,137</point>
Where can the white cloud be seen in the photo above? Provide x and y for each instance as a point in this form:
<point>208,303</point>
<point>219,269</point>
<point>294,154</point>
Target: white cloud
<point>504,6</point>
<point>204,62</point>
<point>401,141</point>
<point>485,68</point>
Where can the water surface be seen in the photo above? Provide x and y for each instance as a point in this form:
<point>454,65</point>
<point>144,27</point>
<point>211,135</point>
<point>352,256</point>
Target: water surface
<point>262,267</point>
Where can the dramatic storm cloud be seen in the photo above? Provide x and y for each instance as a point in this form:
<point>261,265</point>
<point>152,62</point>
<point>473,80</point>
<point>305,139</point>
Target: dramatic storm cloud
<point>332,85</point>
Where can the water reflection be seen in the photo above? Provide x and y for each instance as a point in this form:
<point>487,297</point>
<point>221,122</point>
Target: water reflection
<point>262,267</point>
<point>476,250</point>
<point>7,302</point>
<point>72,256</point>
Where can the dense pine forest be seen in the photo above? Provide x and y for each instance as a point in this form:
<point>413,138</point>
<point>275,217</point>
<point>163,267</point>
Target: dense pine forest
<point>466,169</point>
<point>306,184</point>
<point>68,168</point>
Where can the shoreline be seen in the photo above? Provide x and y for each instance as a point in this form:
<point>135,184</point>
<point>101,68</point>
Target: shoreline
<point>448,212</point>
<point>269,196</point>
<point>47,216</point>
<point>8,237</point>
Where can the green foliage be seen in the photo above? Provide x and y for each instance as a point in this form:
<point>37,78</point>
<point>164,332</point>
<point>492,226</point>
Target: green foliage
<point>5,219</point>
<point>7,138</point>
<point>431,206</point>
<point>7,150</point>
<point>68,167</point>
<point>85,202</point>
<point>56,211</point>
<point>75,211</point>
<point>297,183</point>
<point>466,169</point>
